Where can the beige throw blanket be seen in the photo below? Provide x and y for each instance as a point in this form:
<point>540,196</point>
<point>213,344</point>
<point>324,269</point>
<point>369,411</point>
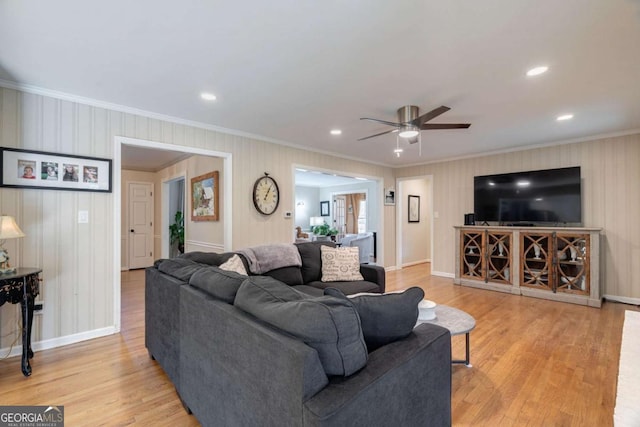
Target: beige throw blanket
<point>270,257</point>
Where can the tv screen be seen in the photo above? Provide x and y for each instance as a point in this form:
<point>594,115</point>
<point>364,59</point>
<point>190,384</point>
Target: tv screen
<point>543,196</point>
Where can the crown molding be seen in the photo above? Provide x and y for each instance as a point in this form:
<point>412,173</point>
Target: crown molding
<point>36,90</point>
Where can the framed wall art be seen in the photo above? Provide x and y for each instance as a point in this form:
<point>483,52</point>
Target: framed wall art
<point>389,196</point>
<point>324,208</point>
<point>204,197</point>
<point>53,171</point>
<point>414,208</point>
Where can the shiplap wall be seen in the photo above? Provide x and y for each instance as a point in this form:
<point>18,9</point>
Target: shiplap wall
<point>77,259</point>
<point>610,171</point>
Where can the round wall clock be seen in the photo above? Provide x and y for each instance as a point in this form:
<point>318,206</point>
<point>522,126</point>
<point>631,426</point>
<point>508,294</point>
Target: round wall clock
<point>266,195</point>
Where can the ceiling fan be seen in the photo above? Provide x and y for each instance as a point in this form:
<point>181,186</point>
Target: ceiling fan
<point>410,122</point>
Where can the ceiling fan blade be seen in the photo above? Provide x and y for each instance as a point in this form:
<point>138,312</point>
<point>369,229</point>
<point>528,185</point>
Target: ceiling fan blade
<point>430,115</point>
<point>434,126</point>
<point>378,134</point>
<point>382,121</point>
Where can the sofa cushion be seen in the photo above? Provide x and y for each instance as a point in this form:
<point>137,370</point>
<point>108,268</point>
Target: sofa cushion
<point>179,268</point>
<point>219,283</point>
<point>234,264</point>
<point>311,261</point>
<point>340,264</point>
<point>347,288</point>
<point>210,258</point>
<point>292,276</point>
<point>311,290</point>
<point>330,325</point>
<point>385,317</point>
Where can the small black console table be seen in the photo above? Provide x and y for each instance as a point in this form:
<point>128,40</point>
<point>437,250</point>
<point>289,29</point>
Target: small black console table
<point>22,286</point>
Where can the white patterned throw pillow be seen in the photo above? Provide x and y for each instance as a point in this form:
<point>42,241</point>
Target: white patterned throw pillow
<point>340,264</point>
<point>234,264</point>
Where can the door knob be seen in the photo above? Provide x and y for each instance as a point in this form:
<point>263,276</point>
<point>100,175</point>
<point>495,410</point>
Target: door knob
<point>132,230</point>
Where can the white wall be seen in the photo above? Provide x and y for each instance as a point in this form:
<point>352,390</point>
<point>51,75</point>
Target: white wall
<point>310,197</point>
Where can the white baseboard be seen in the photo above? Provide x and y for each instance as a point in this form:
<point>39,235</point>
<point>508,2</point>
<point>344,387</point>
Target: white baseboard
<point>443,274</point>
<point>61,341</point>
<point>409,264</point>
<point>391,268</point>
<point>626,300</point>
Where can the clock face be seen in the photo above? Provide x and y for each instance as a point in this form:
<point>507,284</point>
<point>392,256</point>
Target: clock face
<point>266,195</point>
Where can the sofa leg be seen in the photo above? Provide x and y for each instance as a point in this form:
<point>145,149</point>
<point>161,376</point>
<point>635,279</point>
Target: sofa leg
<point>184,404</point>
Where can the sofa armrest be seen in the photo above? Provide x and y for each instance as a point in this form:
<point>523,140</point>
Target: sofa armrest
<point>375,274</point>
<point>237,370</point>
<point>405,383</point>
<point>162,320</point>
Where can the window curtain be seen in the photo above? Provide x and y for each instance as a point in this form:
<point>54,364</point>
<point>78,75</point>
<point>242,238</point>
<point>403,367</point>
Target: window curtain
<point>353,211</point>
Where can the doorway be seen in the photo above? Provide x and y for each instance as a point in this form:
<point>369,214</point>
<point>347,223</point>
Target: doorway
<point>173,203</point>
<point>414,239</point>
<point>313,186</point>
<point>227,182</point>
<point>350,212</point>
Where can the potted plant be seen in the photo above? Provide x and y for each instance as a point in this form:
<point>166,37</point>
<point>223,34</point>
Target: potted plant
<point>333,232</point>
<point>325,230</point>
<point>321,230</point>
<point>176,232</point>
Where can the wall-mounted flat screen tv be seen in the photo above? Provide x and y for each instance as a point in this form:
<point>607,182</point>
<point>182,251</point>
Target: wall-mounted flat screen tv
<point>550,196</point>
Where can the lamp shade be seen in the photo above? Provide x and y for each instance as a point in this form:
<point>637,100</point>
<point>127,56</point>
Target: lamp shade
<point>316,220</point>
<point>9,229</point>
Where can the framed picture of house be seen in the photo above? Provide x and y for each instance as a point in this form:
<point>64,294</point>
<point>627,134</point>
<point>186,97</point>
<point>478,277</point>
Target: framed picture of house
<point>204,197</point>
<point>414,208</point>
<point>53,171</point>
<point>324,208</point>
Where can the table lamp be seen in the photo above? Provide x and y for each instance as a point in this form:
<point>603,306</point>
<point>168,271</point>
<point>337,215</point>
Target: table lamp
<point>315,221</point>
<point>8,230</point>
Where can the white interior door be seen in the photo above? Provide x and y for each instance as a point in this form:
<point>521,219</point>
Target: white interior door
<point>140,225</point>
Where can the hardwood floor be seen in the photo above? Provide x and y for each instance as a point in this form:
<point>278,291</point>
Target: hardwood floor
<point>535,362</point>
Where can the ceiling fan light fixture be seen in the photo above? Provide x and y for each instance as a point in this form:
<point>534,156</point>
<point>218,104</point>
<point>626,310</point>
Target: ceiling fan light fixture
<point>409,131</point>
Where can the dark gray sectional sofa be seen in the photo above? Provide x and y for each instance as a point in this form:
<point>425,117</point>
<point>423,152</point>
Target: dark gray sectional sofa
<point>233,367</point>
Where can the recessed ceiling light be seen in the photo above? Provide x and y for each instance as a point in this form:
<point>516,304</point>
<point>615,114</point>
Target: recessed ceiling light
<point>564,117</point>
<point>522,183</point>
<point>537,71</point>
<point>336,132</point>
<point>361,179</point>
<point>208,96</point>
